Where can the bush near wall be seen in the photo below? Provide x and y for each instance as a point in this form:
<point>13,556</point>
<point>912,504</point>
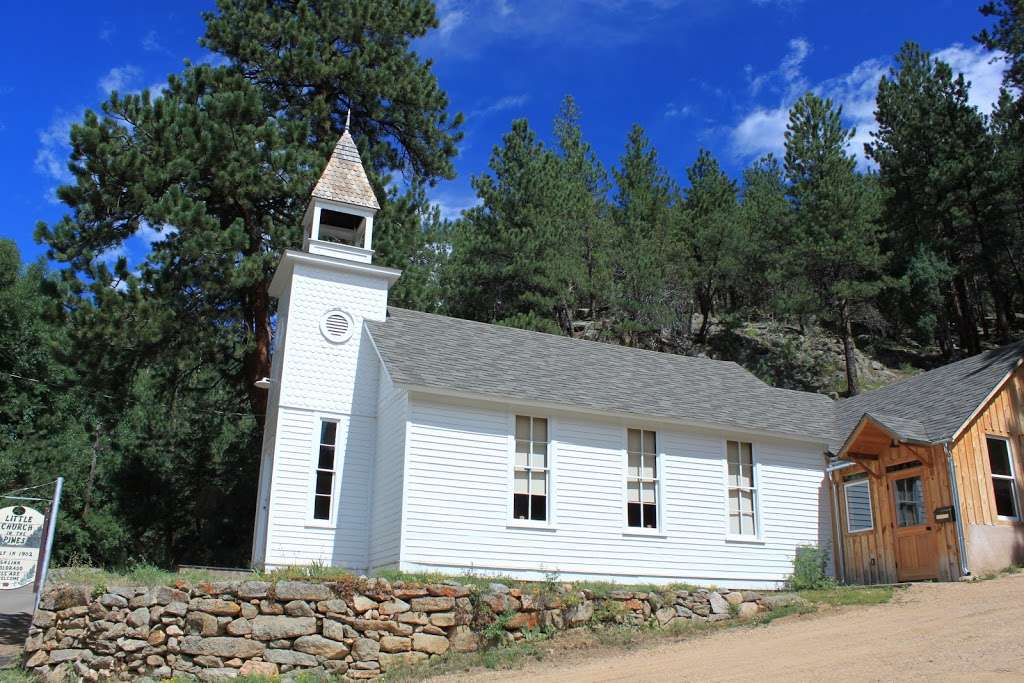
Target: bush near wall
<point>355,629</point>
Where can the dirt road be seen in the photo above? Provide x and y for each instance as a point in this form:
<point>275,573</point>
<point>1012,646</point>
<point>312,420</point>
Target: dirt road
<point>949,631</point>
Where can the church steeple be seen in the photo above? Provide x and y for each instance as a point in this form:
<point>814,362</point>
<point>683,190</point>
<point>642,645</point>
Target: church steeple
<point>339,219</point>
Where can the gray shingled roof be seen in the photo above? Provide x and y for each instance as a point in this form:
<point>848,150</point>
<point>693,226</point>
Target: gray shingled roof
<point>438,352</point>
<point>344,179</point>
<point>931,406</point>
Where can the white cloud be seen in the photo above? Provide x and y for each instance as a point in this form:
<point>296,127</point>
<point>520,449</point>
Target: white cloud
<point>787,77</point>
<point>453,201</point>
<point>449,22</point>
<point>119,78</point>
<point>151,43</point>
<point>761,130</point>
<point>507,102</point>
<point>677,111</point>
<point>54,149</point>
<point>978,67</point>
<point>107,31</point>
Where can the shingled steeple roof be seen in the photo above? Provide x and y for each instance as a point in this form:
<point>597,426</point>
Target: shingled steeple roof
<point>344,179</point>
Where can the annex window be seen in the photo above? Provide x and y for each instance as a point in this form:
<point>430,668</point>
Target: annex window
<point>910,510</point>
<point>1000,461</point>
<point>326,458</point>
<point>530,495</point>
<point>642,479</point>
<point>859,516</point>
<point>742,492</point>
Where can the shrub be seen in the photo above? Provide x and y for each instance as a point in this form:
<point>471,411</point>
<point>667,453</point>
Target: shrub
<point>809,569</point>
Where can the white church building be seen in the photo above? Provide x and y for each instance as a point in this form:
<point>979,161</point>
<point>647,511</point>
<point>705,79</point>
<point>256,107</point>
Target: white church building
<point>399,439</point>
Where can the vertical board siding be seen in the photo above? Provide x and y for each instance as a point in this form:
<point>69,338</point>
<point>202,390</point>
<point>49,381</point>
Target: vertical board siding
<point>1000,416</point>
<point>293,540</point>
<point>458,490</point>
<point>869,557</point>
<point>386,507</point>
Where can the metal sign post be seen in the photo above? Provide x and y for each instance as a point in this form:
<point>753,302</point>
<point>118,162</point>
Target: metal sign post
<point>51,528</point>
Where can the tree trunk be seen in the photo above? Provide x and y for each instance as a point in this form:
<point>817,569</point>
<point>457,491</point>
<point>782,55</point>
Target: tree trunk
<point>967,326</point>
<point>849,350</point>
<point>257,360</point>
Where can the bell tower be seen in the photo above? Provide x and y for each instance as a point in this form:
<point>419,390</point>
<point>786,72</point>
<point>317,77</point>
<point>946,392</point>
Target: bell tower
<point>320,433</point>
<point>339,218</point>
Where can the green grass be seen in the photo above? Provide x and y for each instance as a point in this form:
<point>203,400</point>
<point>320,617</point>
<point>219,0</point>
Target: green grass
<point>17,675</point>
<point>848,595</point>
<point>495,658</point>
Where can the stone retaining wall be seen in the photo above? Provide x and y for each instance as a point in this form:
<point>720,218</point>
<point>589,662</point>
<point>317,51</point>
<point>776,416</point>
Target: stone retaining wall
<point>358,629</point>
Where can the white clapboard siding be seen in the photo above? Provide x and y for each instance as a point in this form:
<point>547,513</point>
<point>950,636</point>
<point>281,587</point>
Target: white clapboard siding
<point>386,506</point>
<point>457,501</point>
<point>294,538</point>
<point>320,379</point>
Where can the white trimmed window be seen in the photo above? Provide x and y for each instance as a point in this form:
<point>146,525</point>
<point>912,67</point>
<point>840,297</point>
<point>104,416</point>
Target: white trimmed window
<point>642,479</point>
<point>530,492</point>
<point>1004,484</point>
<point>859,513</point>
<point>742,488</point>
<point>323,486</point>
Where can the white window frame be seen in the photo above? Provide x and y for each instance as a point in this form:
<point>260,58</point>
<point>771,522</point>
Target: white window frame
<point>511,522</point>
<point>846,504</point>
<point>1012,478</point>
<point>331,521</point>
<point>758,536</point>
<point>659,498</point>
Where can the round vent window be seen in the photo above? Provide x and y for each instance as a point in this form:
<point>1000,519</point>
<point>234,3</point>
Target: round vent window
<point>337,326</point>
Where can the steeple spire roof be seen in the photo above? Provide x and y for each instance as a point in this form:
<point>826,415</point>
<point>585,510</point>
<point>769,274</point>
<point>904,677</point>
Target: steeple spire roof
<point>344,179</point>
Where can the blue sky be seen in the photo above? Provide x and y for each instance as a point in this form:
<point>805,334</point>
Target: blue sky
<point>713,73</point>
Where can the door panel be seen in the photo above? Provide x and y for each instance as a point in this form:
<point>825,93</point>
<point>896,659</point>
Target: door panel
<point>914,535</point>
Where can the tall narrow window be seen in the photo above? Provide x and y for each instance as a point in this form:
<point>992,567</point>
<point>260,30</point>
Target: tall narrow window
<point>859,515</point>
<point>324,485</point>
<point>530,495</point>
<point>742,492</point>
<point>1003,484</point>
<point>642,479</point>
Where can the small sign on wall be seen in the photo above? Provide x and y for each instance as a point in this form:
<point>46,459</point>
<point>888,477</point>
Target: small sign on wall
<point>21,535</point>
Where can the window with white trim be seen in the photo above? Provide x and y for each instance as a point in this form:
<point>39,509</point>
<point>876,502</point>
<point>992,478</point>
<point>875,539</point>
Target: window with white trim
<point>742,489</point>
<point>323,487</point>
<point>859,512</point>
<point>530,493</point>
<point>1004,484</point>
<point>642,479</point>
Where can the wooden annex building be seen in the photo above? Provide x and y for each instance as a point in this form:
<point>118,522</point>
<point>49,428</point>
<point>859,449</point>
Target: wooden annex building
<point>926,485</point>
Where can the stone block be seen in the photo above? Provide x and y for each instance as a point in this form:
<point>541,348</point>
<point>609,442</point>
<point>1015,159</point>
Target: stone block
<point>733,598</point>
<point>335,605</point>
<point>665,615</point>
<point>139,617</point>
<point>301,590</point>
<point>395,644</point>
<point>748,610</point>
<point>275,627</point>
<point>718,604</point>
<point>433,604</point>
<point>521,621</point>
<point>221,674</point>
<point>298,608</point>
<point>239,627</point>
<point>216,606</point>
<point>320,647</point>
<point>258,669</point>
<point>433,645</point>
<point>201,623</point>
<point>392,607</point>
<point>362,604</point>
<point>579,614</point>
<point>222,647</point>
<point>448,591</point>
<point>365,649</point>
<point>388,661</point>
<point>250,590</point>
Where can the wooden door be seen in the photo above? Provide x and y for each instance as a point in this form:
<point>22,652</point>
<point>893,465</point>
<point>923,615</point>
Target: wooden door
<point>917,555</point>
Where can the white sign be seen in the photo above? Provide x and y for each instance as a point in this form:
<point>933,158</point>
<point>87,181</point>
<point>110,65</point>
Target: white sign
<point>21,535</point>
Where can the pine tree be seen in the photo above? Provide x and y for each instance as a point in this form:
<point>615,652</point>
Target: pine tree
<point>510,262</point>
<point>936,164</point>
<point>641,212</point>
<point>710,238</point>
<point>836,236</point>
<point>584,211</point>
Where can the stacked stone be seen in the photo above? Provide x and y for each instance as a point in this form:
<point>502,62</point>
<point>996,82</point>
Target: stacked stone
<point>357,630</point>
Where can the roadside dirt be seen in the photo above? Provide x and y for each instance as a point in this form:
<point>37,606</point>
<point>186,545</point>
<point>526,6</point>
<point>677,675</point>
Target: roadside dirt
<point>947,631</point>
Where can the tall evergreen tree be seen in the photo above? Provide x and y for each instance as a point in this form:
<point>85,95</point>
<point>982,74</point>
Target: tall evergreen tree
<point>642,213</point>
<point>510,261</point>
<point>584,210</point>
<point>710,238</point>
<point>935,158</point>
<point>836,236</point>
